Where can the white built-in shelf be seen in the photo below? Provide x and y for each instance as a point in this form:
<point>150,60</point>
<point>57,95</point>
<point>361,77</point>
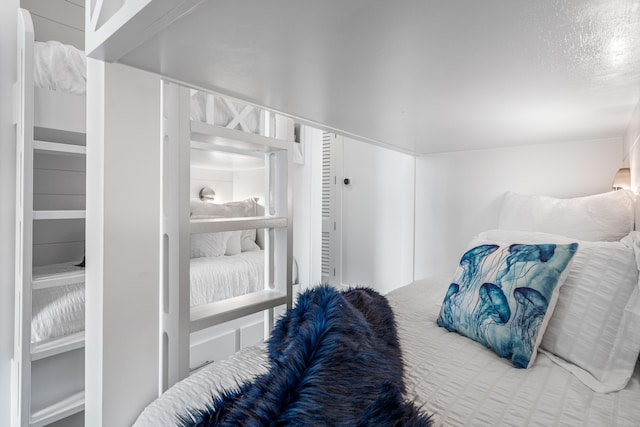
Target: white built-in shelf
<point>204,316</point>
<point>212,137</point>
<point>42,215</point>
<point>214,225</point>
<point>57,147</point>
<point>51,347</point>
<point>59,410</point>
<point>53,280</point>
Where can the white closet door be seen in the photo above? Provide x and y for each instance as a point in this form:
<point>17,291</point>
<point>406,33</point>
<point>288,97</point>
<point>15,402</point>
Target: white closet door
<point>331,207</point>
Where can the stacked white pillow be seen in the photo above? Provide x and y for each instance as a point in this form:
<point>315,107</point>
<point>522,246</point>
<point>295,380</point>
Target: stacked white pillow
<point>209,244</point>
<point>232,243</point>
<point>595,329</point>
<point>603,217</point>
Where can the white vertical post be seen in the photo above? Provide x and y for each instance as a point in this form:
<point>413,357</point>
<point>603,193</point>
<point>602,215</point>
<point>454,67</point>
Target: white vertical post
<point>174,307</point>
<point>210,109</point>
<point>283,237</point>
<point>8,43</point>
<point>123,224</point>
<point>21,388</point>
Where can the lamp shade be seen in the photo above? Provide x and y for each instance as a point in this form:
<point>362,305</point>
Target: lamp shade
<point>622,180</point>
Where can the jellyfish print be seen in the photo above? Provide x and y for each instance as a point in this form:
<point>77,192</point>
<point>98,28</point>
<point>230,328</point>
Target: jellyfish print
<point>472,261</point>
<point>500,296</point>
<point>447,318</point>
<point>491,313</point>
<point>530,312</point>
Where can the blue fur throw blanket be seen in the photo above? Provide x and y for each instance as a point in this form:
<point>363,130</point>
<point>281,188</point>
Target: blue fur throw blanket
<point>335,360</point>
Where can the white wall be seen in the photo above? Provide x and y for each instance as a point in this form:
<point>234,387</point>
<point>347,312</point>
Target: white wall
<point>377,216</point>
<point>61,20</point>
<point>631,148</point>
<point>249,183</point>
<point>459,194</point>
<point>8,19</point>
<point>219,180</point>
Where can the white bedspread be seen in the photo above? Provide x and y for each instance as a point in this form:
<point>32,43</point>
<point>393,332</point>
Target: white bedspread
<point>57,311</point>
<point>215,279</point>
<point>464,383</point>
<point>60,311</point>
<point>59,67</point>
<point>461,382</point>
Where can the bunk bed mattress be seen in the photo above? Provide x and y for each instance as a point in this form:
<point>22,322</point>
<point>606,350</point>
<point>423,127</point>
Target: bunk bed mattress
<point>60,311</point>
<point>215,279</point>
<point>456,379</point>
<point>57,311</point>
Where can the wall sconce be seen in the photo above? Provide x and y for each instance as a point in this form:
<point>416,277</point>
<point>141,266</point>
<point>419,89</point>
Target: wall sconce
<point>622,180</point>
<point>207,194</point>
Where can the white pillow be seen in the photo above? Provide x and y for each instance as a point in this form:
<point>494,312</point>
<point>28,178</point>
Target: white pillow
<point>243,208</point>
<point>595,329</point>
<point>607,216</point>
<point>209,244</point>
<point>233,244</point>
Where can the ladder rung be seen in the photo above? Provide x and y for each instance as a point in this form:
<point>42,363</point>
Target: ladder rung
<point>58,215</point>
<point>58,147</point>
<point>59,410</point>
<point>51,347</point>
<point>57,279</point>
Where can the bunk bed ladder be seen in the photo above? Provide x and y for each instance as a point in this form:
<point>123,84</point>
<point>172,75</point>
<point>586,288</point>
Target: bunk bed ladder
<point>179,136</point>
<point>25,353</point>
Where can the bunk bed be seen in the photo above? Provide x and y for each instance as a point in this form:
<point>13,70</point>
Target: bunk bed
<point>586,370</point>
<point>450,378</point>
<point>48,363</point>
<point>48,379</point>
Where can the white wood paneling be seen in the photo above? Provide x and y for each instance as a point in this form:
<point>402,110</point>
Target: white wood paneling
<point>59,20</point>
<point>63,182</point>
<point>57,252</point>
<point>64,12</point>
<point>64,370</point>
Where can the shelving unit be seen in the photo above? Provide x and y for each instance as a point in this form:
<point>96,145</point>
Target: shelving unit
<point>31,119</point>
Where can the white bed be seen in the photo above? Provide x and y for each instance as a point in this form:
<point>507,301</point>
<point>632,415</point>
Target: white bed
<point>57,311</point>
<point>594,381</point>
<point>458,380</point>
<point>60,310</point>
<point>216,276</point>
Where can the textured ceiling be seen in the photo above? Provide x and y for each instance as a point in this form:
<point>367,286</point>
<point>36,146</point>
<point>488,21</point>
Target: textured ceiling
<point>421,76</point>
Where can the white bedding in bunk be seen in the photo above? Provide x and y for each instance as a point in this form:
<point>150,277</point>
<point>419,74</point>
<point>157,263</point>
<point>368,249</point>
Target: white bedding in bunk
<point>215,279</point>
<point>57,311</point>
<point>60,311</point>
<point>59,67</point>
<point>458,380</point>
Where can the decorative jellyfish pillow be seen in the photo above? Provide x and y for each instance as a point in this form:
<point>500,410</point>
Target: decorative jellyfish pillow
<point>503,295</point>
